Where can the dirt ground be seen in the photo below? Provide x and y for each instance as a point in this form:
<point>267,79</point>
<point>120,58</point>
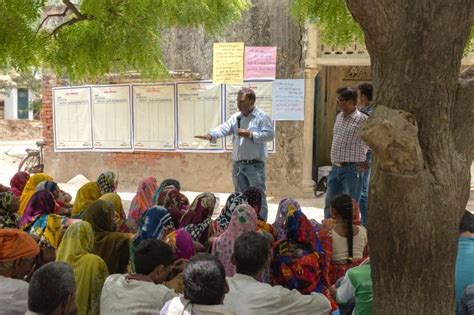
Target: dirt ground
<point>20,129</point>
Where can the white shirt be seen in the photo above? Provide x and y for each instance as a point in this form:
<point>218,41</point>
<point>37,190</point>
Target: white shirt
<point>182,306</point>
<point>346,144</point>
<point>340,251</point>
<point>251,297</point>
<point>13,296</point>
<point>122,296</point>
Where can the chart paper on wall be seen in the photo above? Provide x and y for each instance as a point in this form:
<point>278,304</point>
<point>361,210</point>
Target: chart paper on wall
<point>199,110</point>
<point>72,118</point>
<point>263,93</point>
<point>111,116</point>
<point>153,117</point>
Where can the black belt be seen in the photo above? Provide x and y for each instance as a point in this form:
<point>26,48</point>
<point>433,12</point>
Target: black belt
<point>341,164</point>
<point>249,161</point>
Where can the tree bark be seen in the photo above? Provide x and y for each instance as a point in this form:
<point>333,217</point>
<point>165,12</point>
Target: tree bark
<point>421,175</point>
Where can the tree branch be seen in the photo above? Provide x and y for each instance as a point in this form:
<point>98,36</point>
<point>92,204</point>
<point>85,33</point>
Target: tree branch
<point>51,15</point>
<point>75,10</point>
<point>393,137</point>
<point>463,112</point>
<point>77,13</point>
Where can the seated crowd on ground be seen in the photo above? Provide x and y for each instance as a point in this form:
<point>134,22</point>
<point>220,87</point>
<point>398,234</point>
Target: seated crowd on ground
<point>169,256</point>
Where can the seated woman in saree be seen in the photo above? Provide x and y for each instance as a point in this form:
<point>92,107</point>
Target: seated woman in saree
<point>197,220</point>
<point>344,242</point>
<point>157,223</point>
<point>297,261</point>
<point>53,188</point>
<point>18,182</point>
<point>287,205</point>
<point>141,202</point>
<point>90,271</point>
<point>167,183</point>
<point>244,219</point>
<point>39,219</point>
<point>106,183</point>
<point>175,202</point>
<point>253,196</point>
<point>30,189</point>
<point>119,213</point>
<point>223,220</point>
<point>113,247</point>
<point>9,204</point>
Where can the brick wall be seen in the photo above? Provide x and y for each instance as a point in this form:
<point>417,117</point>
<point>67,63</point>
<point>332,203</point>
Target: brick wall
<point>267,24</point>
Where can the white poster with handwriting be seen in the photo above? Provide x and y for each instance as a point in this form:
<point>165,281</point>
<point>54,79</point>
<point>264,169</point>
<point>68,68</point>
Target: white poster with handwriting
<point>72,118</point>
<point>199,111</point>
<point>111,115</point>
<point>263,100</point>
<point>288,99</point>
<point>153,117</point>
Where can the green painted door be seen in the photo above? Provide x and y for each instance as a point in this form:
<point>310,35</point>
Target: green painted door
<point>22,103</point>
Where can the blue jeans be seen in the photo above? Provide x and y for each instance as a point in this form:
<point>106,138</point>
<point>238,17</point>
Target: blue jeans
<point>364,198</point>
<point>342,180</point>
<point>247,175</point>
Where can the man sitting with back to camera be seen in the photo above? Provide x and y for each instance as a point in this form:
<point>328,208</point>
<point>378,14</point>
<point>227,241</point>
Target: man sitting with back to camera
<point>247,295</point>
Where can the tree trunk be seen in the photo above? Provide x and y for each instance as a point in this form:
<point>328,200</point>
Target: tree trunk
<point>421,134</point>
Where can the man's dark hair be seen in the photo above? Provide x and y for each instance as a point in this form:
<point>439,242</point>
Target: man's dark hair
<point>348,94</point>
<point>204,280</point>
<point>467,222</point>
<point>50,286</point>
<point>249,93</point>
<point>152,253</point>
<point>367,90</point>
<point>251,252</point>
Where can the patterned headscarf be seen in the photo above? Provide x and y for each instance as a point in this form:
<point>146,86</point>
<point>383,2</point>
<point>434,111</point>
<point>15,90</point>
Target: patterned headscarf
<point>170,182</point>
<point>297,262</point>
<point>285,207</point>
<point>254,198</point>
<point>141,201</point>
<point>18,182</point>
<point>198,217</point>
<point>182,244</point>
<point>156,223</point>
<point>47,185</point>
<point>244,219</point>
<point>175,202</point>
<point>234,200</point>
<point>106,182</point>
<point>119,213</point>
<point>7,218</point>
<point>42,202</point>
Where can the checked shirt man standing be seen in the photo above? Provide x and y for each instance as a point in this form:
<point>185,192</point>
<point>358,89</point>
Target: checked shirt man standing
<point>348,151</point>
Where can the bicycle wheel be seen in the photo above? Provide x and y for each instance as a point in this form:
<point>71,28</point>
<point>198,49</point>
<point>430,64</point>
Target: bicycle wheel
<point>29,162</point>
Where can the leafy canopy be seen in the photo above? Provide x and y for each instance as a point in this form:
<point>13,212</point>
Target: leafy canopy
<point>96,37</point>
<point>334,19</point>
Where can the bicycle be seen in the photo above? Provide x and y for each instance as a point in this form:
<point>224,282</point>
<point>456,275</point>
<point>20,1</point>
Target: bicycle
<point>33,162</point>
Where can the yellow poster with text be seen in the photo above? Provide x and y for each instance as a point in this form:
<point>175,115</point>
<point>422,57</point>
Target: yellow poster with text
<point>228,63</point>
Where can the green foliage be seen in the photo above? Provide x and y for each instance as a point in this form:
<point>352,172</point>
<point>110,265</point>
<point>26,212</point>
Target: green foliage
<point>108,35</point>
<point>17,36</point>
<point>336,22</point>
<point>332,17</point>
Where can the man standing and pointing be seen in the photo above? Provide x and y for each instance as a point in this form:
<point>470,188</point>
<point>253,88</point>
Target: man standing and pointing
<point>251,129</point>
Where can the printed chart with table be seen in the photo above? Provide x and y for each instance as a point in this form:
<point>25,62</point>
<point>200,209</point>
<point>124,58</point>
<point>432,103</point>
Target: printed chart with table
<point>199,110</point>
<point>111,117</point>
<point>72,118</point>
<point>153,117</point>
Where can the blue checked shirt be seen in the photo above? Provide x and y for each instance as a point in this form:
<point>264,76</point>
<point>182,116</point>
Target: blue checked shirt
<point>261,126</point>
